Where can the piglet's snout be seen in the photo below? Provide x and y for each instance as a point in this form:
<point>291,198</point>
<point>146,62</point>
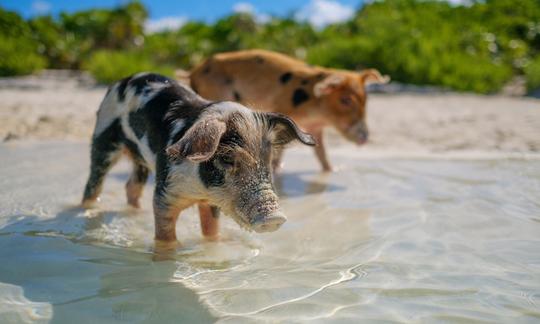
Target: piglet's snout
<point>268,223</point>
<point>358,133</point>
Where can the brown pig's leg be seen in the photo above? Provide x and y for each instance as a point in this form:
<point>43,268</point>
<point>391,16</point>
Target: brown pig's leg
<point>209,216</point>
<point>320,150</point>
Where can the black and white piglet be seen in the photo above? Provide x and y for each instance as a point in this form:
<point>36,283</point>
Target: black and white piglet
<point>215,154</point>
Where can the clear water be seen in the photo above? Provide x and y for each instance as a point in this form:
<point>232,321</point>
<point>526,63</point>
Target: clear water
<point>390,239</point>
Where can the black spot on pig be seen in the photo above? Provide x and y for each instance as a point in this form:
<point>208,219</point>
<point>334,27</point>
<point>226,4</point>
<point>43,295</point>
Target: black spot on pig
<point>206,69</point>
<point>320,76</point>
<point>299,96</point>
<point>122,88</point>
<point>137,122</point>
<point>166,106</point>
<point>210,175</point>
<point>259,59</point>
<point>228,81</point>
<point>133,149</point>
<point>305,82</point>
<point>232,137</point>
<point>285,77</point>
<point>140,83</point>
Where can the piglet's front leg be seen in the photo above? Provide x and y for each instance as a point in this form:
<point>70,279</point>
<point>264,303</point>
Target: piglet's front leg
<point>165,216</point>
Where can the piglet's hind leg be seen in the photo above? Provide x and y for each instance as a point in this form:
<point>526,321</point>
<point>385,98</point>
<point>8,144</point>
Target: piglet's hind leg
<point>104,154</point>
<point>320,150</point>
<point>135,184</point>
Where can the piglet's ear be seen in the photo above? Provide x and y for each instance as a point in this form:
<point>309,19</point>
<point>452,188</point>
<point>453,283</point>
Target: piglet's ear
<point>373,76</point>
<point>200,142</point>
<point>328,84</point>
<point>285,130</point>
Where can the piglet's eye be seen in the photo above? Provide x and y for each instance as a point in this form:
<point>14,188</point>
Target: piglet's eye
<point>227,161</point>
<point>346,101</point>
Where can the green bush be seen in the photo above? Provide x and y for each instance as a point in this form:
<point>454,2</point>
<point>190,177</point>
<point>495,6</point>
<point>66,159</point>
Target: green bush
<point>421,43</point>
<point>18,51</point>
<point>110,66</point>
<point>18,57</point>
<point>532,74</point>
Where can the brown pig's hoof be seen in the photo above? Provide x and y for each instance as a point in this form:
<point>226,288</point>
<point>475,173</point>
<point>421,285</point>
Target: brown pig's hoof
<point>329,169</point>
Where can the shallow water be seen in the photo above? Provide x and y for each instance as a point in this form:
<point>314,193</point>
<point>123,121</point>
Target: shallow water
<point>394,239</point>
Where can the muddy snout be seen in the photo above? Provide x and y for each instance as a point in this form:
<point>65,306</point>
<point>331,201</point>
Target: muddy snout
<point>267,223</point>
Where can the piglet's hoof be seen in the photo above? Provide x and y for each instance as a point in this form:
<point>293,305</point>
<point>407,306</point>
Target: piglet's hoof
<point>212,238</point>
<point>328,169</point>
<point>164,250</point>
<point>88,203</point>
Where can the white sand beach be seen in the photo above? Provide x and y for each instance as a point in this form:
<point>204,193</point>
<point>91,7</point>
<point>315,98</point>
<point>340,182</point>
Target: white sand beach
<point>62,105</point>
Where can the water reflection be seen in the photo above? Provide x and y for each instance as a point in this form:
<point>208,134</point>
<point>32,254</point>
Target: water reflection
<point>81,276</point>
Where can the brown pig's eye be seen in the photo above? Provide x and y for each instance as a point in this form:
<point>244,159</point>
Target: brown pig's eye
<point>346,101</point>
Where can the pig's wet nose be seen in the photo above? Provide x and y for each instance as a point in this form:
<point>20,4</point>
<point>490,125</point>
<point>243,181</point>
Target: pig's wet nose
<point>362,139</point>
<point>358,133</point>
<point>268,223</point>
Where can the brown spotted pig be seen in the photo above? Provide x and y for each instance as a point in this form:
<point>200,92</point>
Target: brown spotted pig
<point>212,153</point>
<point>313,96</point>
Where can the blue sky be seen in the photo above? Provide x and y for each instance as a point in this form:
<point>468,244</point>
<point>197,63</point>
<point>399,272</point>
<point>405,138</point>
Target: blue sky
<point>165,14</point>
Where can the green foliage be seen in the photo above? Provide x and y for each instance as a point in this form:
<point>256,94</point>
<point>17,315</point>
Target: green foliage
<point>18,56</point>
<point>109,66</point>
<point>532,73</point>
<point>398,37</point>
<point>18,51</point>
<point>69,40</point>
<point>467,48</point>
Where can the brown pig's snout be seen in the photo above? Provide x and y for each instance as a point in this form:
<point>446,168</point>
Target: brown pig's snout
<point>358,133</point>
<point>268,223</point>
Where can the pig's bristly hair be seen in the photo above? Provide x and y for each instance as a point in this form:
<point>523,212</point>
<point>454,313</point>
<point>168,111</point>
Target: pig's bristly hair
<point>187,109</point>
<point>246,136</point>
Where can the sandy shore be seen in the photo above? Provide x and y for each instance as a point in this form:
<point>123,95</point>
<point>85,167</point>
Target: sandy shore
<point>62,105</point>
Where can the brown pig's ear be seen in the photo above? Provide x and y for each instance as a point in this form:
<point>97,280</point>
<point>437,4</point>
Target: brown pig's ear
<point>200,142</point>
<point>328,84</point>
<point>373,76</point>
<point>285,130</point>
